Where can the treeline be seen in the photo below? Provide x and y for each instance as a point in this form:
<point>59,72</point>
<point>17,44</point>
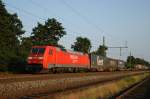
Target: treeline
<point>14,47</point>
<point>132,61</point>
<point>11,30</point>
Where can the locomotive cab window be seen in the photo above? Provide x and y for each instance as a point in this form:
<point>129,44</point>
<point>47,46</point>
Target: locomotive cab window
<point>41,50</point>
<point>34,50</point>
<point>38,50</point>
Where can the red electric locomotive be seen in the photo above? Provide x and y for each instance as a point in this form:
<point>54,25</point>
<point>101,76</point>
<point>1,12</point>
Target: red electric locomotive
<point>56,59</point>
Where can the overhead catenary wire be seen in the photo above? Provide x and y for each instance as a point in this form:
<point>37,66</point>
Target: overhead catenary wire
<point>60,18</point>
<point>25,11</point>
<point>33,15</point>
<point>93,25</point>
<point>74,10</point>
<point>37,4</point>
<point>66,21</point>
<point>83,17</point>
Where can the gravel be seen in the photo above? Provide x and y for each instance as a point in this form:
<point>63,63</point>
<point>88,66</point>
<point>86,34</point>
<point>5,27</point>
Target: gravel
<point>28,88</point>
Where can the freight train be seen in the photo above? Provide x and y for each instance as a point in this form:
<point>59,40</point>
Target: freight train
<point>55,59</point>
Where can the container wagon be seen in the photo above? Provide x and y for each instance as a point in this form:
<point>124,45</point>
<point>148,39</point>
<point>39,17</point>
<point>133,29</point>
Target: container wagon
<point>100,63</point>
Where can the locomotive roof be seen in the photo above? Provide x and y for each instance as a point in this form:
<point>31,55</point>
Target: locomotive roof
<point>66,50</point>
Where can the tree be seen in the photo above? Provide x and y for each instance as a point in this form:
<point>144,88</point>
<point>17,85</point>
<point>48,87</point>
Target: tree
<point>25,47</point>
<point>10,32</point>
<point>48,33</point>
<point>130,62</point>
<point>82,45</point>
<point>141,61</point>
<point>102,50</point>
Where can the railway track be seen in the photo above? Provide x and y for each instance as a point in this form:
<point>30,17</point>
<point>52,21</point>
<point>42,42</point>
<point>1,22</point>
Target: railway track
<point>18,86</point>
<point>130,93</point>
<point>52,94</point>
<point>33,77</point>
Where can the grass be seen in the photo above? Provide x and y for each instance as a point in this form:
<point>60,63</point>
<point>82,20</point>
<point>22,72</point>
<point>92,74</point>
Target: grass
<point>103,91</point>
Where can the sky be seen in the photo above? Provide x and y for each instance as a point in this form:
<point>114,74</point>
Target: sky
<point>117,20</point>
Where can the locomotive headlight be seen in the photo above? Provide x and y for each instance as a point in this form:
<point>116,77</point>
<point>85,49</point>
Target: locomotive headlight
<point>29,57</point>
<point>40,57</point>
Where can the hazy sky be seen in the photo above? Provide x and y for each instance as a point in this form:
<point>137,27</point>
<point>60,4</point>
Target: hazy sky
<point>117,20</point>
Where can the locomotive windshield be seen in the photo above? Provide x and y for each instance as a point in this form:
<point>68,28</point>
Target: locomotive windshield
<point>38,50</point>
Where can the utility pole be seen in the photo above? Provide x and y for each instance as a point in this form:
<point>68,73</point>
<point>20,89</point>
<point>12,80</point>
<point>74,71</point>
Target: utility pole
<point>117,47</point>
<point>120,48</point>
<point>130,59</point>
<point>103,41</point>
